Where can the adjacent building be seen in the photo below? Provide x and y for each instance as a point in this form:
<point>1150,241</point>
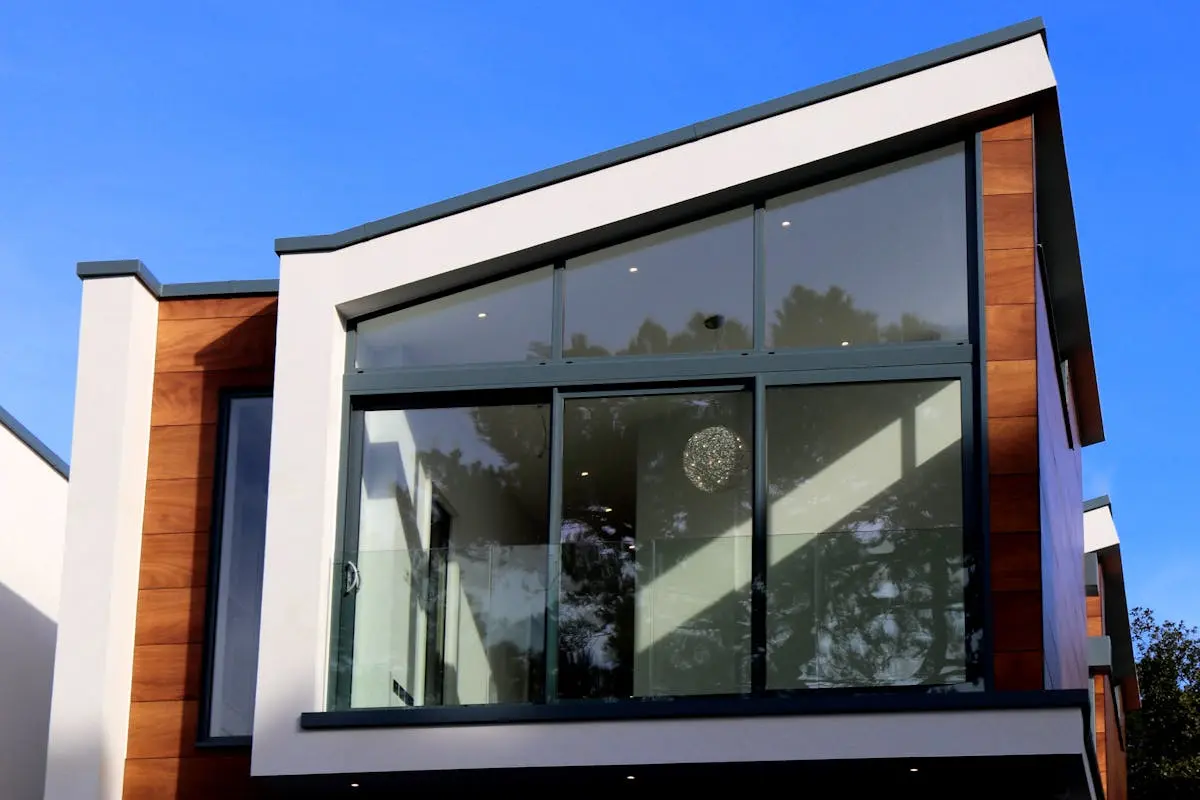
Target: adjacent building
<point>33,507</point>
<point>751,449</point>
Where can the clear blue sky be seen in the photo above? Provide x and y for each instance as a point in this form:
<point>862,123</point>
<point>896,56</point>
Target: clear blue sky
<point>190,135</point>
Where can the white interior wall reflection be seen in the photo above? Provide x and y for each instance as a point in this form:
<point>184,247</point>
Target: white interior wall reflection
<point>494,592</point>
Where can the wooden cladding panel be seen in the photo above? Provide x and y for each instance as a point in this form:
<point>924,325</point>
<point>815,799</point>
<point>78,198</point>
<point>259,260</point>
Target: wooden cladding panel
<point>1017,129</point>
<point>162,729</point>
<point>182,451</point>
<point>1011,332</point>
<point>174,561</point>
<point>177,506</point>
<point>1012,389</point>
<point>1016,562</point>
<point>205,346</point>
<point>216,775</point>
<point>194,398</point>
<point>1008,167</point>
<point>225,343</point>
<point>1008,276</point>
<point>170,616</point>
<point>218,308</point>
<point>1008,221</point>
<point>166,672</point>
<point>1010,315</point>
<point>1012,445</point>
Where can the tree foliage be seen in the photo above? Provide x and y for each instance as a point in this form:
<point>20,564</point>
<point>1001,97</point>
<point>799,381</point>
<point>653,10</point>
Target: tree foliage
<point>1164,736</point>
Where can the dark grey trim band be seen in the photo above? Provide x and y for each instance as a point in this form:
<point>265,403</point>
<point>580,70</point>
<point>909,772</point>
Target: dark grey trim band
<point>134,268</point>
<point>130,267</point>
<point>574,169</point>
<point>1097,502</point>
<point>798,704</point>
<point>35,444</point>
<point>1100,657</point>
<point>1091,574</point>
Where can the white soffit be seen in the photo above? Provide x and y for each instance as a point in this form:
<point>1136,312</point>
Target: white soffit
<point>1099,529</point>
<point>756,150</point>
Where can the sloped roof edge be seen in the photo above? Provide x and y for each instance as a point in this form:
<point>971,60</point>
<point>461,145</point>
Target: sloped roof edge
<point>26,437</point>
<point>690,133</point>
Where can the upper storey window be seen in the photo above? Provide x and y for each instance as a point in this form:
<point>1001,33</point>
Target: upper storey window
<point>875,258</point>
<point>506,320</point>
<point>686,290</point>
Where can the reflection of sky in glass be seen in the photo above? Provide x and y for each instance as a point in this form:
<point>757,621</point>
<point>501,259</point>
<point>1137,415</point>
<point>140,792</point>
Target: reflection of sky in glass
<point>893,238</point>
<point>516,313</point>
<point>705,267</point>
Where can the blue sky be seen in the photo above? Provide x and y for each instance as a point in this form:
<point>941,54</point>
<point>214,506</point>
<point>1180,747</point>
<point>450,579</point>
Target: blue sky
<point>191,135</point>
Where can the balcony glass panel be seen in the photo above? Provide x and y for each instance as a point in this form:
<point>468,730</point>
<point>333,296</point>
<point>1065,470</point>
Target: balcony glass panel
<point>865,564</point>
<point>879,257</point>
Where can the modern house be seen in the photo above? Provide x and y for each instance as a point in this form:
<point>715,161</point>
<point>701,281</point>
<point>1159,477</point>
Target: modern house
<point>33,509</point>
<point>1115,682</point>
<point>751,449</point>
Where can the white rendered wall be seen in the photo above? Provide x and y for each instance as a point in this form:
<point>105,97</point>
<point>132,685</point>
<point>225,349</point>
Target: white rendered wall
<point>307,429</point>
<point>33,511</point>
<point>89,717</point>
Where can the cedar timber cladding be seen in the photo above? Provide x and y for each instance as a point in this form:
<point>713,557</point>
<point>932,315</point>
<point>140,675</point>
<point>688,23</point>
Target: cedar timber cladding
<point>204,346</point>
<point>1110,732</point>
<point>1010,300</point>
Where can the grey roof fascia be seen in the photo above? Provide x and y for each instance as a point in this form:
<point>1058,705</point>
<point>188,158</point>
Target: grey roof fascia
<point>35,444</point>
<point>1096,502</point>
<point>136,269</point>
<point>573,169</point>
<point>265,286</point>
<point>130,267</point>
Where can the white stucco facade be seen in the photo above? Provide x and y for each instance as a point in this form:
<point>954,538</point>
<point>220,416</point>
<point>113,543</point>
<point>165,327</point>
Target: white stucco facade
<point>302,511</point>
<point>93,671</point>
<point>33,510</point>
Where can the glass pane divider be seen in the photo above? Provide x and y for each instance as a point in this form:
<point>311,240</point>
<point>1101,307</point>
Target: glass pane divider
<point>758,543</point>
<point>553,551</point>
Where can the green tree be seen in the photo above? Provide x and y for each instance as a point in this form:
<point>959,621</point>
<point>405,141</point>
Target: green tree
<point>1164,736</point>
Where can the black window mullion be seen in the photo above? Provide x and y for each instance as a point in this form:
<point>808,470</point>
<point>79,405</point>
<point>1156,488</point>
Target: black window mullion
<point>348,566</point>
<point>758,544</point>
<point>557,319</point>
<point>760,284</point>
<point>554,547</point>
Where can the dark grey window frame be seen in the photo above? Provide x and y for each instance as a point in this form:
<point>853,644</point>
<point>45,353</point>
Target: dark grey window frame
<point>204,737</point>
<point>756,369</point>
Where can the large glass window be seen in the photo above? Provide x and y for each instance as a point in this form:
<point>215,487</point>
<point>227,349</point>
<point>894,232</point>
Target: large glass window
<point>710,518</point>
<point>238,543</point>
<point>865,535</point>
<point>452,556</point>
<point>656,507</point>
<point>878,257</point>
<point>686,290</point>
<point>507,320</point>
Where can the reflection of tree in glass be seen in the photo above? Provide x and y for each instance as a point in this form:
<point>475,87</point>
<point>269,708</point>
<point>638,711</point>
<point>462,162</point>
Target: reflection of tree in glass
<point>877,598</point>
<point>807,318</point>
<point>703,333</point>
<point>879,603</point>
